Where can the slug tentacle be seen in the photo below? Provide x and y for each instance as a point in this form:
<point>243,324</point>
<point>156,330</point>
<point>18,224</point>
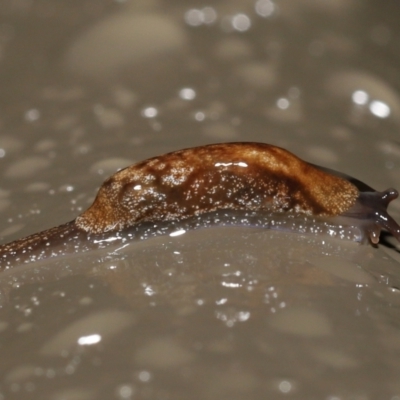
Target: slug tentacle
<point>242,177</point>
<point>371,210</point>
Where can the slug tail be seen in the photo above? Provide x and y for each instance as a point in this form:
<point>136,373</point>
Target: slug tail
<point>37,246</point>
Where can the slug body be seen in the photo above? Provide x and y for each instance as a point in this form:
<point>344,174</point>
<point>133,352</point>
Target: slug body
<point>252,177</point>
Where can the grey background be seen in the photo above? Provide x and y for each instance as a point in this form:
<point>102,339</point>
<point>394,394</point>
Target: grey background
<point>233,313</point>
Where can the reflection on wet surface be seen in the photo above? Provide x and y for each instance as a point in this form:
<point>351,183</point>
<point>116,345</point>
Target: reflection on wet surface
<point>225,312</point>
<point>91,87</point>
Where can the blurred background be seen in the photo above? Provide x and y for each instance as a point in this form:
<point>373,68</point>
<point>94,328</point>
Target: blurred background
<point>88,87</point>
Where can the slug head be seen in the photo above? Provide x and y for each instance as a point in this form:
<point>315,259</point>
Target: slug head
<point>371,209</point>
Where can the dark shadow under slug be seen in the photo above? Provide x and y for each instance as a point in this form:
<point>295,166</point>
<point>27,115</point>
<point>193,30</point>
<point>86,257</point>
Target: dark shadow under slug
<point>252,178</point>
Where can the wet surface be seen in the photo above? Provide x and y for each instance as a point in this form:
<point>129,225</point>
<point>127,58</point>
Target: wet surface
<point>222,312</point>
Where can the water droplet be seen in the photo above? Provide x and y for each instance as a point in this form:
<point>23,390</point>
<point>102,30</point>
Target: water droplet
<point>144,376</point>
<point>149,112</point>
<point>379,109</point>
<point>283,103</point>
<point>360,97</point>
<point>264,8</point>
<point>187,94</point>
<point>285,386</point>
<point>241,22</point>
<point>32,115</point>
<point>125,391</point>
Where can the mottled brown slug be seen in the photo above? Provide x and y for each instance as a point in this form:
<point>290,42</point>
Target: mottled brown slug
<point>252,177</point>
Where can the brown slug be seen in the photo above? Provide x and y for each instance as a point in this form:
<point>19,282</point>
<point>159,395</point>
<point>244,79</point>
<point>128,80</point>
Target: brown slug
<point>253,177</point>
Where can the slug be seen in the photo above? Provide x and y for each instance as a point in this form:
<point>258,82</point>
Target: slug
<point>250,177</point>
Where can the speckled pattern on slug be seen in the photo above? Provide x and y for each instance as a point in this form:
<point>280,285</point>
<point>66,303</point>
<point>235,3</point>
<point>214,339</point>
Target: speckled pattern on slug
<point>236,176</point>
